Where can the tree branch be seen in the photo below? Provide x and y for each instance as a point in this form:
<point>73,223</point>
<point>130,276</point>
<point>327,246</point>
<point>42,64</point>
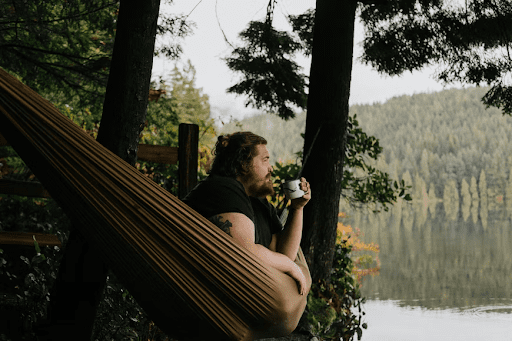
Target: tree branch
<point>76,16</point>
<point>43,51</point>
<point>52,71</point>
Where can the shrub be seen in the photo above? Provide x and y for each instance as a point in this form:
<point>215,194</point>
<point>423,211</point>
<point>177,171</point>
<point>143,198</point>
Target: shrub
<point>28,273</point>
<point>120,317</point>
<point>334,310</point>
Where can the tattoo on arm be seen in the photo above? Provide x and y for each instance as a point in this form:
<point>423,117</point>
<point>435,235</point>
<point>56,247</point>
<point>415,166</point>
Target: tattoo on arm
<point>223,225</point>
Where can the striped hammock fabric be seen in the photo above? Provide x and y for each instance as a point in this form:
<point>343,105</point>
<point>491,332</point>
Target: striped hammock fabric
<point>191,278</point>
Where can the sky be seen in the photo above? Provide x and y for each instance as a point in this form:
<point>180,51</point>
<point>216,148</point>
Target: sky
<point>220,20</point>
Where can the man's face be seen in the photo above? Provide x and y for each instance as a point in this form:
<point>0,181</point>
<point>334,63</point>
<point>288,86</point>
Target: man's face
<point>258,182</point>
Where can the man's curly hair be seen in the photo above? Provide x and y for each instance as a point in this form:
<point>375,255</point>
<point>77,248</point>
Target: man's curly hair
<point>234,153</point>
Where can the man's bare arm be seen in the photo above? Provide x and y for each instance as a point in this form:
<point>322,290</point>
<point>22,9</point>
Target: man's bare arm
<point>224,225</point>
<point>241,228</point>
<point>288,240</point>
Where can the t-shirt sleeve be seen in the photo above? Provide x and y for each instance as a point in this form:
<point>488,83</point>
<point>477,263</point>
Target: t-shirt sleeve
<point>219,195</point>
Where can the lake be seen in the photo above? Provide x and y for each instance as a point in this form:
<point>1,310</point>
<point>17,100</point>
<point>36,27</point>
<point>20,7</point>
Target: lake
<point>443,276</point>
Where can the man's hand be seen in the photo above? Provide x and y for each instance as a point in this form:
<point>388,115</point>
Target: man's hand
<point>299,203</point>
<point>297,274</point>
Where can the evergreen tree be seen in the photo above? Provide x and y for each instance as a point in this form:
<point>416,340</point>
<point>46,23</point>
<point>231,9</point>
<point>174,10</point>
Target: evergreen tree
<point>190,104</point>
<point>424,166</point>
<point>432,199</point>
<point>466,38</point>
<point>482,187</point>
<point>408,160</point>
<point>432,193</point>
<point>451,199</point>
<point>63,50</point>
<point>453,144</point>
<point>465,194</point>
<point>418,189</point>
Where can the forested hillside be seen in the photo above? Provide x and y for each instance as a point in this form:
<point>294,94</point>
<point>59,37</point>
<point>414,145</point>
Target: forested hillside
<point>433,141</point>
<point>448,135</point>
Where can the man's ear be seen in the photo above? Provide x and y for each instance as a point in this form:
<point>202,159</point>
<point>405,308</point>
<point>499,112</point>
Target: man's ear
<point>245,168</point>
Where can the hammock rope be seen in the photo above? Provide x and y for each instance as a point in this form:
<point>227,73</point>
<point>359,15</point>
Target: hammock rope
<point>179,266</point>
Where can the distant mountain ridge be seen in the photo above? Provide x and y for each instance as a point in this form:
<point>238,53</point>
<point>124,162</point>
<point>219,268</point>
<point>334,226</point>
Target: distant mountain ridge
<point>441,136</point>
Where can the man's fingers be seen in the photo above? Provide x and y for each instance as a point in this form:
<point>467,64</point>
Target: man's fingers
<point>301,283</point>
<point>304,185</point>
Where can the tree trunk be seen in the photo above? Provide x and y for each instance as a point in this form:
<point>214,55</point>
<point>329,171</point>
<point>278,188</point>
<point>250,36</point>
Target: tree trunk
<point>328,107</point>
<point>126,100</point>
<point>82,274</point>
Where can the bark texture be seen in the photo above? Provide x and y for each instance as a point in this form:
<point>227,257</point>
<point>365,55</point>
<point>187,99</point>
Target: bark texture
<point>126,99</point>
<point>82,275</point>
<point>328,109</point>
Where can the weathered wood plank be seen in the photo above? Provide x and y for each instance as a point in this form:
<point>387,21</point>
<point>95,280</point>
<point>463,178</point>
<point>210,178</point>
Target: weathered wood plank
<point>158,154</point>
<point>27,238</point>
<point>23,188</point>
<point>187,158</point>
<point>147,152</point>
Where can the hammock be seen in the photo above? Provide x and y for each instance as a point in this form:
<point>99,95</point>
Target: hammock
<point>190,277</point>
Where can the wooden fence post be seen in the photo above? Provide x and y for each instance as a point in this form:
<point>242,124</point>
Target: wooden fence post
<point>187,158</point>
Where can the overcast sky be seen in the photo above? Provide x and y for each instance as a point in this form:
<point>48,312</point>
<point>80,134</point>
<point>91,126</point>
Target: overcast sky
<point>207,46</point>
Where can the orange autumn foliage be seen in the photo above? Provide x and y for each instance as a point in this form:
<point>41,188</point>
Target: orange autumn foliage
<point>351,236</point>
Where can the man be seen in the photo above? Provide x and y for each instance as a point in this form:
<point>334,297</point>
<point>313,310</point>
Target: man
<point>233,198</point>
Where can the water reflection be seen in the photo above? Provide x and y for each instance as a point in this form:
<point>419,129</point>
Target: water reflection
<point>437,262</point>
<point>387,321</point>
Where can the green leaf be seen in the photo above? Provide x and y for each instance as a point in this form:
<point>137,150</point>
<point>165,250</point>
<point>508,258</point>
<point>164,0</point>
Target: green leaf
<point>39,258</point>
<point>36,244</point>
<point>25,260</point>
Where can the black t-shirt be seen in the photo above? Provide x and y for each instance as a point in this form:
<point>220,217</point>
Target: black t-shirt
<point>218,194</point>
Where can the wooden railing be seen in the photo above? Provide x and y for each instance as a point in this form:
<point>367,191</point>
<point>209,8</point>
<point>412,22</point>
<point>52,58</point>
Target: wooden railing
<point>186,156</point>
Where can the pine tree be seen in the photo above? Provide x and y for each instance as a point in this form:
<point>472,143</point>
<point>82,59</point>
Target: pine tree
<point>419,188</point>
<point>424,168</point>
<point>63,49</point>
<point>432,199</point>
<point>451,199</point>
<point>482,186</point>
<point>190,104</point>
<point>409,161</point>
<point>466,199</point>
<point>465,194</point>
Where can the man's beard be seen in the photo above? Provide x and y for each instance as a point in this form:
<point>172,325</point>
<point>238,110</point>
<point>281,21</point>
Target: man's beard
<point>263,190</point>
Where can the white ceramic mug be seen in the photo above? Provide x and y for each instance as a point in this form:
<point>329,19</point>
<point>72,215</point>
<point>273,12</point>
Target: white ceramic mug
<point>292,189</point>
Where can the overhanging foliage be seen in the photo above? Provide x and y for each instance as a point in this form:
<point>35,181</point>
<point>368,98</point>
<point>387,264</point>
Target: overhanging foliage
<point>63,49</point>
<point>470,41</point>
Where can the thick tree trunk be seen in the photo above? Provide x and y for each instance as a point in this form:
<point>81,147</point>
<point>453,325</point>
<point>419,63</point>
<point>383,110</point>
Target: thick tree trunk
<point>328,107</point>
<point>126,100</point>
<point>82,275</point>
